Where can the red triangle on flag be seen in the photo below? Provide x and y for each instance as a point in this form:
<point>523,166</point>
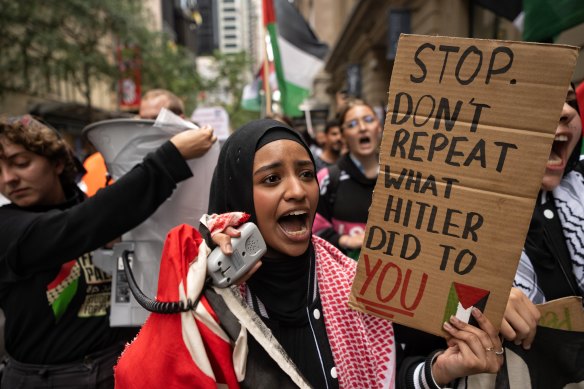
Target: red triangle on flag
<point>469,295</point>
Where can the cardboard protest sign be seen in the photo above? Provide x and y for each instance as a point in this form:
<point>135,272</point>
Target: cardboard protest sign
<point>468,132</point>
<point>562,314</point>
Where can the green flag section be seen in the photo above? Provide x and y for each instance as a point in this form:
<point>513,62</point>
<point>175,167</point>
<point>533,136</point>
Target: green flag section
<point>545,19</point>
<point>63,288</point>
<point>61,303</point>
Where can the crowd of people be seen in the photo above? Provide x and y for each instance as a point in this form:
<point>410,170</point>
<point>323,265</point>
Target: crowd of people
<point>311,209</point>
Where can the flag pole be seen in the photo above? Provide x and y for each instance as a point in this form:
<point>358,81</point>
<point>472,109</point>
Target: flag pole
<point>266,70</point>
<point>268,17</point>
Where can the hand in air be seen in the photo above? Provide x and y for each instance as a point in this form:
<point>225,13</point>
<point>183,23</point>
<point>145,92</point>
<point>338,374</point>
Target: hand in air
<point>471,350</point>
<point>194,143</point>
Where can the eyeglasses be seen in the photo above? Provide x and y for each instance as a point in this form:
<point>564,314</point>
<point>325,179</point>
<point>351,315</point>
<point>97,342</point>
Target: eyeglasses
<point>354,123</point>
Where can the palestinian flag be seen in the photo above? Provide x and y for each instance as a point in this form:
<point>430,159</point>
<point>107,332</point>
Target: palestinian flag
<point>62,289</point>
<point>461,299</point>
<point>294,54</point>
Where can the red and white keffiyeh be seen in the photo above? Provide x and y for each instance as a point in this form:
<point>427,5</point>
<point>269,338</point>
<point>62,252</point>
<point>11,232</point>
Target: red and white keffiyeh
<point>218,223</point>
<point>363,345</point>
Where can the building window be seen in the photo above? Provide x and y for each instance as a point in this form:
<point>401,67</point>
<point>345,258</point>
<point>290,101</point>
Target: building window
<point>230,27</point>
<point>229,18</point>
<point>231,45</point>
<point>230,9</point>
<point>230,36</point>
<point>228,1</point>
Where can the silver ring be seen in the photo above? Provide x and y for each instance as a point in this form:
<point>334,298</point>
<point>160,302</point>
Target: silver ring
<point>500,352</point>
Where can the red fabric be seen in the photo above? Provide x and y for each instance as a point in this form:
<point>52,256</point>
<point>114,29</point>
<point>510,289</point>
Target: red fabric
<point>268,11</point>
<point>580,99</point>
<point>218,223</point>
<point>63,273</point>
<point>158,357</point>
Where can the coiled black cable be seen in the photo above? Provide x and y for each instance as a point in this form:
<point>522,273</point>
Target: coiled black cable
<point>151,305</point>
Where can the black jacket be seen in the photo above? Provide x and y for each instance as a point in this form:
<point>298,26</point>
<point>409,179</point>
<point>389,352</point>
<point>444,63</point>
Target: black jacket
<point>56,302</point>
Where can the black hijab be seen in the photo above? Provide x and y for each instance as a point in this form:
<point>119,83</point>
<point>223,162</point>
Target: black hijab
<point>232,185</point>
<point>281,282</point>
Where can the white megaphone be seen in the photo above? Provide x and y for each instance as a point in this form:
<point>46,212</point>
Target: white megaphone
<point>123,144</point>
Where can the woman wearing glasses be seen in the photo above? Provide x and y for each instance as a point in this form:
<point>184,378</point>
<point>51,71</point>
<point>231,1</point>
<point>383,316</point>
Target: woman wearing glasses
<point>346,188</point>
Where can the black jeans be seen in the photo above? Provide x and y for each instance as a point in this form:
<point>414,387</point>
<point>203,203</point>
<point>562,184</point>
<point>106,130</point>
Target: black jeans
<point>94,372</point>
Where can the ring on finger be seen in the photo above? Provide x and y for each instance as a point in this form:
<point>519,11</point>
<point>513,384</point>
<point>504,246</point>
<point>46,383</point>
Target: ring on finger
<point>489,349</point>
<point>500,352</point>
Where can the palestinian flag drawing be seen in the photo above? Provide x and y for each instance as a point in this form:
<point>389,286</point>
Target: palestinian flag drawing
<point>461,299</point>
<point>62,289</point>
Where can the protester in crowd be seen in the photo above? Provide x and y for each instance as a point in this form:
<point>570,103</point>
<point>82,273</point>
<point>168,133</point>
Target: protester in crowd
<point>552,265</point>
<point>96,176</point>
<point>56,302</point>
<point>319,139</point>
<point>300,291</point>
<point>332,145</point>
<point>301,273</point>
<point>552,262</point>
<point>156,99</point>
<point>346,188</point>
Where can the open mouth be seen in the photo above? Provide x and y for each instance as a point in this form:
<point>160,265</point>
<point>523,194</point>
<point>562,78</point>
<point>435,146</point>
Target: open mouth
<point>294,223</point>
<point>558,153</point>
<point>365,140</point>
